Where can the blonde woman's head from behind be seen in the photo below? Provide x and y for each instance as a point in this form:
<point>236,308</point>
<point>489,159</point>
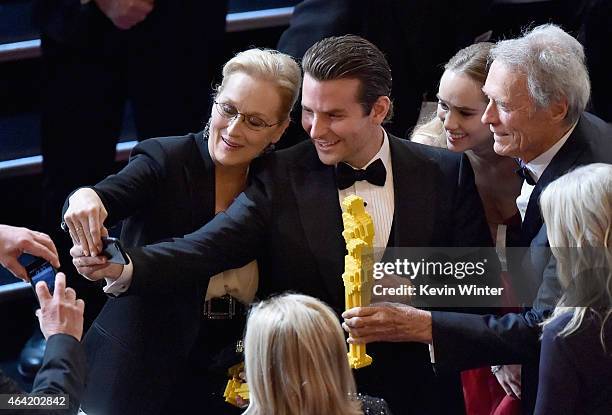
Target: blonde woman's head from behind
<point>296,362</point>
<point>577,210</point>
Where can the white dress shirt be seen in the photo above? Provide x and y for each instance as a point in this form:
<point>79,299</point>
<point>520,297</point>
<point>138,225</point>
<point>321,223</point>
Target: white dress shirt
<point>379,199</point>
<point>536,168</point>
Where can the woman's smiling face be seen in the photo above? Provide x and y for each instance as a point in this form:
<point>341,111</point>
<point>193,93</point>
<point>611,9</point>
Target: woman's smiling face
<point>461,104</point>
<point>232,140</point>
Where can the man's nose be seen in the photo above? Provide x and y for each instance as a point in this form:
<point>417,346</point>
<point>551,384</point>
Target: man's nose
<point>318,127</point>
<point>490,114</point>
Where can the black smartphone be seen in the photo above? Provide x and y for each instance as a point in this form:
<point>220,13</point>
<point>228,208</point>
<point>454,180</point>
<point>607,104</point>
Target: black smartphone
<point>114,251</point>
<point>41,270</point>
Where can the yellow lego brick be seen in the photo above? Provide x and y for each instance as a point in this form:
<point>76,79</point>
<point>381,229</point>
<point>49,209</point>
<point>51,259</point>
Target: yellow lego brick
<point>235,385</point>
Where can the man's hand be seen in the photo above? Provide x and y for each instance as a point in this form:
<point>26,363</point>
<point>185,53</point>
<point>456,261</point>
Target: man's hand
<point>94,268</point>
<point>16,241</point>
<point>509,377</point>
<point>85,218</point>
<point>125,14</point>
<point>388,322</point>
<point>60,313</point>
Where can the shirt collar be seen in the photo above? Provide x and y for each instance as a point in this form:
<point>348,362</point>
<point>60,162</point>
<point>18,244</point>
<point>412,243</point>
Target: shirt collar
<point>384,153</point>
<point>541,162</point>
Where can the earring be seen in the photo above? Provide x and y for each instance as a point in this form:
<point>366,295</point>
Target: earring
<point>271,147</point>
<point>206,130</point>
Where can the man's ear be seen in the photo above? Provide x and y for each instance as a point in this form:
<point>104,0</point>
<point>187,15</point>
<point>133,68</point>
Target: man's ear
<point>380,109</point>
<point>558,110</point>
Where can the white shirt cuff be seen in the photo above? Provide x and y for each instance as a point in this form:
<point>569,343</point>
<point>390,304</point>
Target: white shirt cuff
<point>121,284</point>
<point>432,354</point>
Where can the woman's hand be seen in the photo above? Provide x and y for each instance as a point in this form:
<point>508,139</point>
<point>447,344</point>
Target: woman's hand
<point>85,218</point>
<point>509,377</point>
<point>94,268</point>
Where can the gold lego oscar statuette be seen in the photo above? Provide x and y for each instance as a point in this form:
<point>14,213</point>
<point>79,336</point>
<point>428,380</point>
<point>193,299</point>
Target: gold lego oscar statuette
<point>358,266</point>
<point>236,386</point>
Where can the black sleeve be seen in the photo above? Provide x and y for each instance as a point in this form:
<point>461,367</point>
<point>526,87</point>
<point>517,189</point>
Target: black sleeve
<point>464,341</point>
<point>63,370</point>
<point>232,239</point>
<point>134,186</point>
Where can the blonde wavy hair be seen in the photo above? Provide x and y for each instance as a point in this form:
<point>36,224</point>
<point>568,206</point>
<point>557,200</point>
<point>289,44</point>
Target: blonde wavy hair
<point>296,361</point>
<point>577,209</point>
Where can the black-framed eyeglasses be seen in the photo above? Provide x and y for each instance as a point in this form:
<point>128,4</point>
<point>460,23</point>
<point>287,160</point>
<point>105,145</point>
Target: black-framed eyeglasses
<point>253,122</point>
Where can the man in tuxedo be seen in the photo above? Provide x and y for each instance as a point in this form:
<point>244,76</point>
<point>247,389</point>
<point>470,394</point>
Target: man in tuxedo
<point>289,218</point>
<point>538,88</point>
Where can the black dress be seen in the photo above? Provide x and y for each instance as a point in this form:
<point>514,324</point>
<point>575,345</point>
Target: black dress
<point>373,406</point>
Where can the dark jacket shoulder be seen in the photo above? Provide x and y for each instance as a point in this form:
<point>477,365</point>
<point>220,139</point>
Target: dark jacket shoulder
<point>166,149</point>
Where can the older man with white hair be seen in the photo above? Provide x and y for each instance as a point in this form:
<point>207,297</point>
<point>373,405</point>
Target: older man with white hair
<point>538,87</point>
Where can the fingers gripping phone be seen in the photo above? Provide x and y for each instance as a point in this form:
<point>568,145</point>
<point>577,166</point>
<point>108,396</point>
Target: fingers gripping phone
<point>41,270</point>
<point>114,251</point>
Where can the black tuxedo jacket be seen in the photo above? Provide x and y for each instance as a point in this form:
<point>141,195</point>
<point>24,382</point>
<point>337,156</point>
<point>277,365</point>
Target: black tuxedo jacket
<point>62,371</point>
<point>138,345</point>
<point>290,219</point>
<point>463,341</point>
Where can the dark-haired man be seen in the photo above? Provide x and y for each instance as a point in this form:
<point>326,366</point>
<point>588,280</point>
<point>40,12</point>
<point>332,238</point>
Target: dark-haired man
<point>290,219</point>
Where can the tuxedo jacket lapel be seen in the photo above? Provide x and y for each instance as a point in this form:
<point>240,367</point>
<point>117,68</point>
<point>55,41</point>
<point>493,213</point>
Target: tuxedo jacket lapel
<point>320,214</point>
<point>559,165</point>
<point>201,179</point>
<point>410,176</point>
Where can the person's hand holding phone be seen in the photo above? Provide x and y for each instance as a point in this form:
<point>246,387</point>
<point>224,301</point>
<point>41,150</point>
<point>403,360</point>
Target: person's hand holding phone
<point>85,218</point>
<point>94,268</point>
<point>16,241</point>
<point>61,312</point>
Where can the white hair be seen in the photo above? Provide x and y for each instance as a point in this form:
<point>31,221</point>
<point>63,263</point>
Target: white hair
<point>577,209</point>
<point>554,64</point>
<point>270,65</point>
<point>296,359</point>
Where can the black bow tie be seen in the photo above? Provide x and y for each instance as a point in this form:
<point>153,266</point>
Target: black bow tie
<point>524,172</point>
<point>375,173</point>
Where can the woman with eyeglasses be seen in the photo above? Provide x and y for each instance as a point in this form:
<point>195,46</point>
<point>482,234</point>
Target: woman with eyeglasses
<point>170,353</point>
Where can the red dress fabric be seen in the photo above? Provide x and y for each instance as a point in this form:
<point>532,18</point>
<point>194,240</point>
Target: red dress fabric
<point>482,392</point>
